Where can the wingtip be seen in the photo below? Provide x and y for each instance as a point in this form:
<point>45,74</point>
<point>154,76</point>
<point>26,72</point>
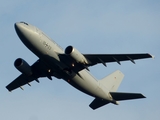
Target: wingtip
<point>8,88</point>
<point>143,96</point>
<point>152,56</point>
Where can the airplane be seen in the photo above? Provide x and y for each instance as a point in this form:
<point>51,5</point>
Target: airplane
<point>70,65</point>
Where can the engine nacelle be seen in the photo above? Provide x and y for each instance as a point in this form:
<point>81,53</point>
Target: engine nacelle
<point>76,55</point>
<point>23,66</point>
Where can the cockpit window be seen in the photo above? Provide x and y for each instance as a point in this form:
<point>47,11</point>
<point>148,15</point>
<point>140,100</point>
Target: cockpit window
<point>24,23</point>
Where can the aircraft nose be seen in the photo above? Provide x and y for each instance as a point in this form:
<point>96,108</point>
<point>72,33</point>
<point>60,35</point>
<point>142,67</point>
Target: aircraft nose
<point>22,30</point>
<point>21,26</point>
<point>18,26</point>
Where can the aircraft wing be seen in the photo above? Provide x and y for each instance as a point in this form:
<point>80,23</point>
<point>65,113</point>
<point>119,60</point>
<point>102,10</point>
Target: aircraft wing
<point>24,79</point>
<point>20,81</point>
<point>105,58</point>
<point>94,59</point>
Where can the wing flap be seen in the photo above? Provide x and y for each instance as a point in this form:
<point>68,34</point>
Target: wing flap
<point>126,96</point>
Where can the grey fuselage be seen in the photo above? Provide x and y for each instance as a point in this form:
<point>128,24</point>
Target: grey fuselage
<point>48,51</point>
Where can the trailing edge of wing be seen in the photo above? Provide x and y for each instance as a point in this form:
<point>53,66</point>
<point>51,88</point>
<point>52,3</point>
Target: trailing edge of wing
<point>19,81</point>
<point>104,58</point>
<point>126,96</point>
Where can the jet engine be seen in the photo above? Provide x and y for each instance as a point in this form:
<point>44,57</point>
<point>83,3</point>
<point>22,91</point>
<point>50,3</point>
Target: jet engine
<point>76,55</point>
<point>23,66</point>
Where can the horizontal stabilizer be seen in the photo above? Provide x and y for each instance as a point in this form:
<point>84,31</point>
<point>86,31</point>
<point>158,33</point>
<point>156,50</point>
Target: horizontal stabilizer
<point>96,103</point>
<point>126,96</point>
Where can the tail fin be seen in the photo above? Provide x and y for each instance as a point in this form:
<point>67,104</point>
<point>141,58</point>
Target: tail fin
<point>112,81</point>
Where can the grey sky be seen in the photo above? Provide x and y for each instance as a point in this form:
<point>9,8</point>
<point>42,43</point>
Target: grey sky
<point>126,26</point>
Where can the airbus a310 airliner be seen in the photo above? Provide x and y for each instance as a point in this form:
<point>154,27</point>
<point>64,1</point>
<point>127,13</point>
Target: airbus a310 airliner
<point>70,65</point>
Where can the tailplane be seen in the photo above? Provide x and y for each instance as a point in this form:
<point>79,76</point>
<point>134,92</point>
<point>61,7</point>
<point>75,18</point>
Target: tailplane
<point>118,96</point>
<point>111,83</point>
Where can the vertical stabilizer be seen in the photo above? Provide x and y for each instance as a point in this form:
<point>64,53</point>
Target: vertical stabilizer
<point>112,81</point>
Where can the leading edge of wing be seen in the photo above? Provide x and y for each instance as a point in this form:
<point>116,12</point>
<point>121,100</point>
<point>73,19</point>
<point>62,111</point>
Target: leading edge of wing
<point>104,58</point>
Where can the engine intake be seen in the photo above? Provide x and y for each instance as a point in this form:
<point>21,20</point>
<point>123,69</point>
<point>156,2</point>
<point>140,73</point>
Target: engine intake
<point>69,50</point>
<point>23,66</point>
<point>76,55</point>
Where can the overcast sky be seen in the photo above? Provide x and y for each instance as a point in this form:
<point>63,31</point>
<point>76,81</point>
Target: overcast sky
<point>91,26</point>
